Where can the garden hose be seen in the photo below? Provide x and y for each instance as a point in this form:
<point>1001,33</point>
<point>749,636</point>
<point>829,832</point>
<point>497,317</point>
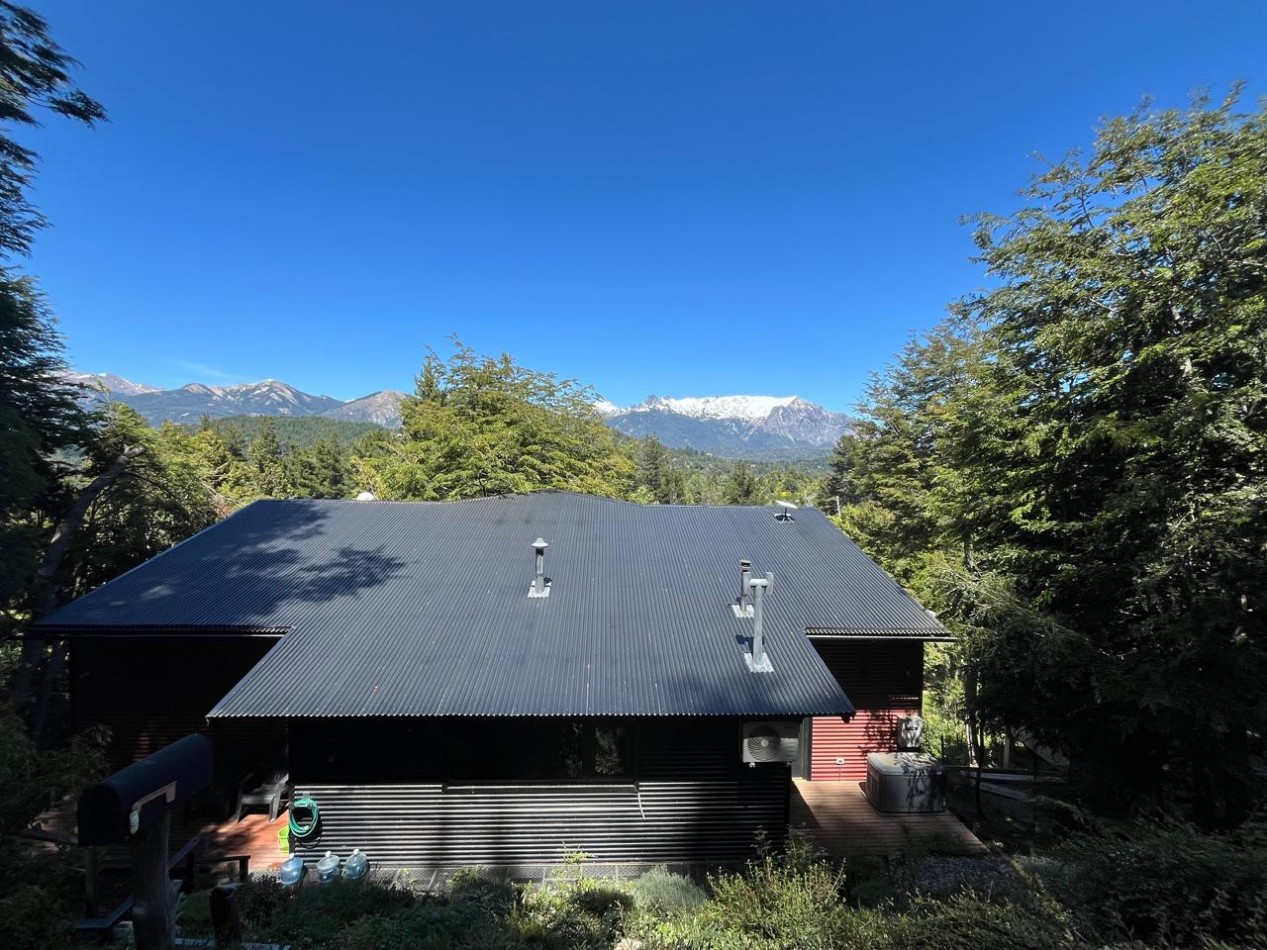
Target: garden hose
<point>299,829</point>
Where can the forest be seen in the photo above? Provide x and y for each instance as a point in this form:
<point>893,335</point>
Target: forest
<point>1070,469</point>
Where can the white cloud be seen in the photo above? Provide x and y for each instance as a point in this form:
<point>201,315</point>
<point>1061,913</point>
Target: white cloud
<point>206,373</point>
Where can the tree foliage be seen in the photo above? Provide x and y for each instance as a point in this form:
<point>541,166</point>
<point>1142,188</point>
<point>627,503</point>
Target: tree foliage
<point>39,411</point>
<point>741,486</point>
<point>1073,466</point>
<point>34,74</point>
<point>479,425</point>
<point>39,416</point>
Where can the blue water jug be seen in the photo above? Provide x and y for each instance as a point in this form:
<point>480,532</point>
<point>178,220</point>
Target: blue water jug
<point>357,864</point>
<point>328,868</point>
<point>292,870</point>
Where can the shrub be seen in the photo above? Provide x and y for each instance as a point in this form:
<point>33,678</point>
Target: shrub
<point>469,887</point>
<point>587,914</point>
<point>1168,887</point>
<point>972,921</point>
<point>261,899</point>
<point>776,903</point>
<point>665,894</point>
<point>600,899</point>
<point>459,926</point>
<point>193,915</point>
<point>840,928</point>
<point>315,917</point>
<point>33,918</point>
<point>39,893</point>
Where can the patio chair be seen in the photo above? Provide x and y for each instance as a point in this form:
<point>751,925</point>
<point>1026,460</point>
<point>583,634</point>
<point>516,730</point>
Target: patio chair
<point>272,791</point>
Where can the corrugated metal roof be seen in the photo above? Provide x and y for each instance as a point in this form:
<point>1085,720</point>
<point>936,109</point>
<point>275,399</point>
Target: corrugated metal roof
<point>421,608</point>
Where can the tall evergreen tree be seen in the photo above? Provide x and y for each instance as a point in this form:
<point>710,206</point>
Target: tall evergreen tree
<point>39,411</point>
<point>1075,468</point>
<point>742,487</point>
<point>663,481</point>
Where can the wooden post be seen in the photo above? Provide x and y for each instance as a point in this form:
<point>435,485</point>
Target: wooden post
<point>90,882</point>
<point>152,918</point>
<point>225,918</point>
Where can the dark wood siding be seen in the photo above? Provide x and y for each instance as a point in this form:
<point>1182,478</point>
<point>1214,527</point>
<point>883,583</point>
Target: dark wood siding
<point>151,691</point>
<point>693,801</point>
<point>884,680</point>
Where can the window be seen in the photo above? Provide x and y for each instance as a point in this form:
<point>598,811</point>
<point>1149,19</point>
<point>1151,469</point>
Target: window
<point>563,750</point>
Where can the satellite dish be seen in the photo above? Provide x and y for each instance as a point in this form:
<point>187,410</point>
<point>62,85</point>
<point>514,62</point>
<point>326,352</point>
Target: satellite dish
<point>366,496</point>
<point>786,513</point>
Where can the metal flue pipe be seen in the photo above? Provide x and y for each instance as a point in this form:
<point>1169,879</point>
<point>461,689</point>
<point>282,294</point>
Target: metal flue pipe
<point>759,586</point>
<point>539,581</point>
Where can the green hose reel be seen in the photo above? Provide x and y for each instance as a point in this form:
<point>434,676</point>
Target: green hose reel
<point>304,827</point>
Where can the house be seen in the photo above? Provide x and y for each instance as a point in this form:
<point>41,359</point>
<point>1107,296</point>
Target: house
<point>504,680</point>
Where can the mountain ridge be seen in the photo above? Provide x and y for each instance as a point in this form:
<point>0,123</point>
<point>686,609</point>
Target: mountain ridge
<point>740,426</point>
<point>783,428</point>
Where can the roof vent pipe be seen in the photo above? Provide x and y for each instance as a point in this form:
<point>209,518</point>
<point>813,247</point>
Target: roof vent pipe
<point>745,601</point>
<point>758,662</point>
<point>539,587</point>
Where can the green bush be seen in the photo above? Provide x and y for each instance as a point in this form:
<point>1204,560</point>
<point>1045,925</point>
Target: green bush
<point>193,915</point>
<point>40,892</point>
<point>315,917</point>
<point>261,899</point>
<point>587,915</point>
<point>971,921</point>
<point>1167,887</point>
<point>869,882</point>
<point>839,928</point>
<point>33,917</point>
<point>665,894</point>
<point>788,902</point>
<point>469,887</point>
<point>460,926</point>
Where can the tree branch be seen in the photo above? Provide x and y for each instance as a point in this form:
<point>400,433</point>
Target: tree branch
<point>45,588</point>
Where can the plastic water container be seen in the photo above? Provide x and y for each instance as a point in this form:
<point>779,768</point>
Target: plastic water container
<point>356,865</point>
<point>328,868</point>
<point>291,871</point>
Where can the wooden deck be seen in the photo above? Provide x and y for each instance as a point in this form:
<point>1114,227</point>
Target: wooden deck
<point>841,821</point>
<point>254,836</point>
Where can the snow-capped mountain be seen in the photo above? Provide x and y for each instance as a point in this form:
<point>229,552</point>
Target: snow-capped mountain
<point>269,397</point>
<point>751,427</point>
<point>769,427</point>
<point>112,383</point>
<point>753,409</point>
<point>190,403</point>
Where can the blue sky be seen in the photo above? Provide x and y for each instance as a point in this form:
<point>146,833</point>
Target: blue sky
<point>679,198</point>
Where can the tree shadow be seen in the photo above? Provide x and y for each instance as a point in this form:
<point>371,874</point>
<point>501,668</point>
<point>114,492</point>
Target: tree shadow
<point>238,574</point>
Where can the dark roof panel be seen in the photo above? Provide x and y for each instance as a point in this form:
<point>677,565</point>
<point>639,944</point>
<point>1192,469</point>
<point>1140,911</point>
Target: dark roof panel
<point>421,608</point>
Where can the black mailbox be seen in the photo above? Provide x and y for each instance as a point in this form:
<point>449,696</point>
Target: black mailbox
<point>139,795</point>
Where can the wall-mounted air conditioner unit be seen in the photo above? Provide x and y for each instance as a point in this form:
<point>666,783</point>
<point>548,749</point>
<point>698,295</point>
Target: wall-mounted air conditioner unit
<point>771,741</point>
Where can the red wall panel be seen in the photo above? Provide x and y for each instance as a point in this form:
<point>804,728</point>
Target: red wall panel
<point>884,680</point>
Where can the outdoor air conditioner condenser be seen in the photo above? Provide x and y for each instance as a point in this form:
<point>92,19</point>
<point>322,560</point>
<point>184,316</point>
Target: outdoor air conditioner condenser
<point>771,741</point>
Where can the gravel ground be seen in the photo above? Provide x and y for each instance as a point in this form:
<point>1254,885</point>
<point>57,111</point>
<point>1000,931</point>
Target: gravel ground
<point>944,875</point>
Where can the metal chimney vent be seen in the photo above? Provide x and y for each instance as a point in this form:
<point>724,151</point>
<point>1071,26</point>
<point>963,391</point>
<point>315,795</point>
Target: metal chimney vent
<point>758,661</point>
<point>743,606</point>
<point>540,586</point>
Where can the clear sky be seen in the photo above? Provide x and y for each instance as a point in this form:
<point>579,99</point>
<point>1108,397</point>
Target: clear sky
<point>681,198</point>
